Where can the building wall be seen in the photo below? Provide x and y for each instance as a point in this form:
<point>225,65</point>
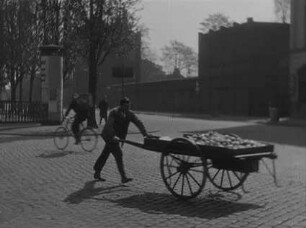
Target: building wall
<point>164,96</point>
<point>298,29</point>
<point>79,82</point>
<point>298,58</point>
<point>244,68</point>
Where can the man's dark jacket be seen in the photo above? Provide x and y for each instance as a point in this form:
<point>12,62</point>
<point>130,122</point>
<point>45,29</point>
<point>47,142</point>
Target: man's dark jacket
<point>80,112</point>
<point>118,124</point>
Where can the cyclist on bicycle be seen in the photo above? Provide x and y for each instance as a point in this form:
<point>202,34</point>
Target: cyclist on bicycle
<point>81,114</point>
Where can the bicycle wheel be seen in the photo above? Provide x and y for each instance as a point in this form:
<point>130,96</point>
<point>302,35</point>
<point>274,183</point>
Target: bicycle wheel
<point>61,138</point>
<point>89,139</point>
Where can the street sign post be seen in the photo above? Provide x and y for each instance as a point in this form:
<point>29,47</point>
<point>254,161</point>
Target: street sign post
<point>122,72</point>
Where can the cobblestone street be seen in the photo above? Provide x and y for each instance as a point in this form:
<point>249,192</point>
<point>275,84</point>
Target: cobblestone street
<point>43,187</point>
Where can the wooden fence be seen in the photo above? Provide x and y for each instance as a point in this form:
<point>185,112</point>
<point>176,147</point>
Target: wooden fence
<point>23,112</point>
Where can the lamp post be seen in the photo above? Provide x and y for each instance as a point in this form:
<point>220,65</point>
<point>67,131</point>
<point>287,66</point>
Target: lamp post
<point>52,82</point>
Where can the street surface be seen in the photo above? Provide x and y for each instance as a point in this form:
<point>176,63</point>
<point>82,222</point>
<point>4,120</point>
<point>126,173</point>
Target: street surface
<point>43,187</point>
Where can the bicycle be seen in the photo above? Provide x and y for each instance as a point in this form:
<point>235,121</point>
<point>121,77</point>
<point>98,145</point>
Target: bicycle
<point>88,136</point>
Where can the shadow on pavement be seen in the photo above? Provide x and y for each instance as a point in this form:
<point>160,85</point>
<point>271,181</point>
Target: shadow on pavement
<point>57,153</point>
<point>10,132</point>
<point>5,127</point>
<point>10,137</point>
<point>89,191</point>
<point>224,195</point>
<point>267,133</point>
<point>208,208</point>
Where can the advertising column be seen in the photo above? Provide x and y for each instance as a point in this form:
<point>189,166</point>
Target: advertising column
<point>52,82</point>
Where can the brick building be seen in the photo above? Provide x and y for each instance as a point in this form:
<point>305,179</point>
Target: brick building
<point>298,58</point>
<point>243,69</point>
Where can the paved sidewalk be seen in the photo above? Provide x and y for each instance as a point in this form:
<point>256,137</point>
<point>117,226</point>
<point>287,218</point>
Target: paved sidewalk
<point>292,122</point>
<point>28,128</point>
<point>43,187</point>
<point>284,121</point>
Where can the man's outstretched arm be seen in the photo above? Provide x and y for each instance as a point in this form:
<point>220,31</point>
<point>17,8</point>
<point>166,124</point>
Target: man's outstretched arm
<point>139,125</point>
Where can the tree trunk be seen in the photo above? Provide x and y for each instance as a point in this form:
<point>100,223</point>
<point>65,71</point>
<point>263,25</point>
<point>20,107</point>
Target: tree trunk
<point>20,90</point>
<point>13,86</point>
<point>13,92</point>
<point>31,83</point>
<point>2,84</point>
<point>93,69</point>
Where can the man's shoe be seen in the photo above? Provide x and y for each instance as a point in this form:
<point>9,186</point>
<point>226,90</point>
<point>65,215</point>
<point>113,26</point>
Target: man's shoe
<point>98,177</point>
<point>126,180</point>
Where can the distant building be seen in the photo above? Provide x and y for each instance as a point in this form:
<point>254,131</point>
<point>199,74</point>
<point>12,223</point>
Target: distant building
<point>143,71</point>
<point>105,78</point>
<point>244,69</point>
<point>175,75</point>
<point>298,58</point>
<point>151,72</point>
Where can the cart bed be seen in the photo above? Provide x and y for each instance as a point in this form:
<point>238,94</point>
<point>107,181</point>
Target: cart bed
<point>160,144</point>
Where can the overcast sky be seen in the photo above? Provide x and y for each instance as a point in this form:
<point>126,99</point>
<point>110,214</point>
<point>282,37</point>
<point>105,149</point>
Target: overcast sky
<point>180,19</point>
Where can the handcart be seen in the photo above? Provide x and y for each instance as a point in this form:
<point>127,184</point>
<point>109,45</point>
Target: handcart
<point>186,162</point>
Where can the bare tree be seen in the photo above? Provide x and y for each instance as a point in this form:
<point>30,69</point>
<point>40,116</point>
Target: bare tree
<point>2,46</point>
<point>89,28</point>
<point>19,43</point>
<point>150,69</point>
<point>60,25</point>
<point>214,22</point>
<point>106,26</point>
<point>2,34</point>
<point>178,56</point>
<point>146,51</point>
<point>282,10</point>
<point>15,29</point>
<point>36,39</point>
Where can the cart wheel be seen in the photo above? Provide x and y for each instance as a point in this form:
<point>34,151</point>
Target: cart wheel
<point>225,179</point>
<point>61,138</point>
<point>89,139</point>
<point>183,175</point>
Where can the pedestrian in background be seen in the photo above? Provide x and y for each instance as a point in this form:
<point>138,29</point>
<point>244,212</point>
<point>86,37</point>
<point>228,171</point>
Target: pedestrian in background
<point>103,106</point>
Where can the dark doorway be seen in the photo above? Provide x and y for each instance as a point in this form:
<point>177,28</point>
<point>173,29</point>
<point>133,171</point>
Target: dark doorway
<point>302,84</point>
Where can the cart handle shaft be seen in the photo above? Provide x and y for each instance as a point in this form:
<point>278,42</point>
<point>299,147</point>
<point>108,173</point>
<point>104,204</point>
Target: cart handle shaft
<point>137,144</point>
<point>266,154</point>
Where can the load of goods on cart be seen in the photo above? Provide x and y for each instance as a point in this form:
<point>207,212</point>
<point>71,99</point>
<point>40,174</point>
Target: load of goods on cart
<point>230,141</point>
<point>225,160</point>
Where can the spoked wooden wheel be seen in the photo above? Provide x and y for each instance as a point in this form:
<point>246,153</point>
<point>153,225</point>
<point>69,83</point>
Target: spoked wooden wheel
<point>89,139</point>
<point>61,138</point>
<point>183,175</point>
<point>225,179</point>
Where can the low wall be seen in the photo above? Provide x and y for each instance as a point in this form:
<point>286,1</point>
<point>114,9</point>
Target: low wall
<point>164,96</point>
<point>181,96</point>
